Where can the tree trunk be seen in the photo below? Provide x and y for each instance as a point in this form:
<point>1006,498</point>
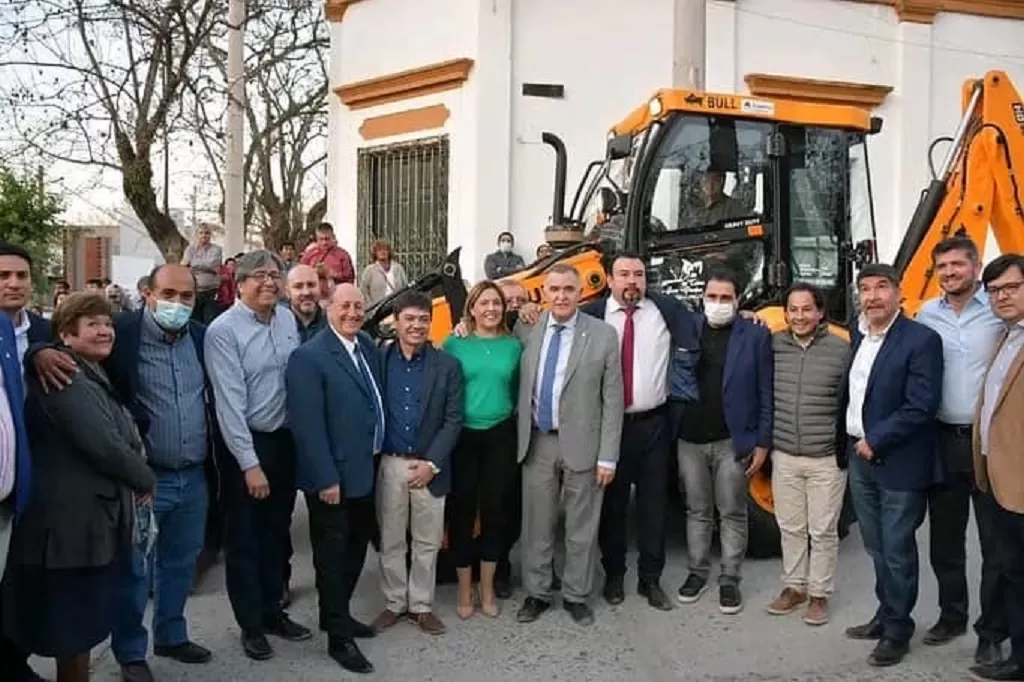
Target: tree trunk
<point>137,182</point>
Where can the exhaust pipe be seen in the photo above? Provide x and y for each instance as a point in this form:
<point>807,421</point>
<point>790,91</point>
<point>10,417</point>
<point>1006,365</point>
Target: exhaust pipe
<point>561,169</point>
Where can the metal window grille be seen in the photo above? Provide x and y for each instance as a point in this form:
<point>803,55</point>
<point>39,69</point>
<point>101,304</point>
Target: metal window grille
<point>403,198</point>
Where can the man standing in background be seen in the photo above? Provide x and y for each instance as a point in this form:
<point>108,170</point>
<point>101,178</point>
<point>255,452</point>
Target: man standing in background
<point>333,264</point>
<point>504,261</point>
<point>205,259</point>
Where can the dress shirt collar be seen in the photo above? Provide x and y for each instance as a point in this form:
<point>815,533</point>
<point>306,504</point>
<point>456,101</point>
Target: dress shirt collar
<point>614,306</point>
<point>569,324</point>
<point>865,330</point>
<point>350,345</point>
<point>254,314</point>
<point>21,322</point>
<point>979,295</point>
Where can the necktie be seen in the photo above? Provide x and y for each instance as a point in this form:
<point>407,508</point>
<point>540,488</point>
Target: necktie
<point>546,408</point>
<point>627,357</point>
<point>378,409</point>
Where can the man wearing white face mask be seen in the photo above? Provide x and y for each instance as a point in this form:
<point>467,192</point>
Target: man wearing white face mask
<point>504,261</point>
<point>725,437</point>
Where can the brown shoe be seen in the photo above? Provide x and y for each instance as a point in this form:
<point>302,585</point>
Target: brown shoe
<point>387,619</point>
<point>787,602</point>
<point>817,611</point>
<point>429,623</point>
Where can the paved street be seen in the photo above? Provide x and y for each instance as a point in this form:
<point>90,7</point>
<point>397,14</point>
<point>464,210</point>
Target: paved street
<point>627,642</point>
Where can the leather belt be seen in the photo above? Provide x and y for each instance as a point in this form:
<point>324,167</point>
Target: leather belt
<point>646,414</point>
<point>958,430</point>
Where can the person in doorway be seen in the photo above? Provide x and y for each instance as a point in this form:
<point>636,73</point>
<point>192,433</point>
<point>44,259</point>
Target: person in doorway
<point>383,276</point>
<point>205,259</point>
<point>484,466</point>
<point>337,410</point>
<point>807,484</point>
<point>998,464</point>
<point>504,261</point>
<point>887,437</point>
<point>725,438</point>
<point>970,331</point>
<point>332,263</point>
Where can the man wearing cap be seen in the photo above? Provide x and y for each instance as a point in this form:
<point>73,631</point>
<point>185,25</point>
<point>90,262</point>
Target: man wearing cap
<point>887,438</point>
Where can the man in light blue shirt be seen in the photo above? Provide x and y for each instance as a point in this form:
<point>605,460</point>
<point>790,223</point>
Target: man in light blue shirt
<point>247,350</point>
<point>970,331</point>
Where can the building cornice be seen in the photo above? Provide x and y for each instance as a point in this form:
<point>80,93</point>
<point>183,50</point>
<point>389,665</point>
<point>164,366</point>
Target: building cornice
<point>863,95</point>
<point>924,11</point>
<point>423,80</point>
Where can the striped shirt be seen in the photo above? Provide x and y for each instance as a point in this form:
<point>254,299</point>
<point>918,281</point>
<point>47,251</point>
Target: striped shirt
<point>8,447</point>
<point>246,360</point>
<point>171,393</point>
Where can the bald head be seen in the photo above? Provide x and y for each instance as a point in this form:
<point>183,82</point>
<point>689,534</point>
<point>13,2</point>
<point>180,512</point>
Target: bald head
<point>346,310</point>
<point>170,282</point>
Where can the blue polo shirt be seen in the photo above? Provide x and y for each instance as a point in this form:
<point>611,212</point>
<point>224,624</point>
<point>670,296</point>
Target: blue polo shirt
<point>403,387</point>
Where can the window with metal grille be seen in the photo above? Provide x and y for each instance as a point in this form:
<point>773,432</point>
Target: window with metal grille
<point>403,198</point>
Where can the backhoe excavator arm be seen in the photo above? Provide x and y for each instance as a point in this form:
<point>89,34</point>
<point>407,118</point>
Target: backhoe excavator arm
<point>977,186</point>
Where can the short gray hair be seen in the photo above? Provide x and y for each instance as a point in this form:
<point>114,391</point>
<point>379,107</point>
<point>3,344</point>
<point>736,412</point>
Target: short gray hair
<point>248,263</point>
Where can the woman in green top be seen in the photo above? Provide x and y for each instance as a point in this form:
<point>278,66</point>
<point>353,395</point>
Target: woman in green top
<point>484,461</point>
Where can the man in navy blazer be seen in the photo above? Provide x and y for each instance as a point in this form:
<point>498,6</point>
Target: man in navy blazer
<point>15,291</point>
<point>887,438</point>
<point>725,436</point>
<point>336,413</point>
<point>423,394</point>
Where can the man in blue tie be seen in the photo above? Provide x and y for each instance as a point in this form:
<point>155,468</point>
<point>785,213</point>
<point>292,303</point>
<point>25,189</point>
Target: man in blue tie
<point>570,424</point>
<point>337,417</point>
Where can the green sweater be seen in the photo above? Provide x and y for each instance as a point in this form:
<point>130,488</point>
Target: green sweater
<point>490,370</point>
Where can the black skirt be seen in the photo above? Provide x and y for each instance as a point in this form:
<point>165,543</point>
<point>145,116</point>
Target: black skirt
<point>60,612</point>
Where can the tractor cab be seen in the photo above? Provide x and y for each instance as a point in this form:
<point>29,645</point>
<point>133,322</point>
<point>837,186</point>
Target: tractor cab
<point>779,191</point>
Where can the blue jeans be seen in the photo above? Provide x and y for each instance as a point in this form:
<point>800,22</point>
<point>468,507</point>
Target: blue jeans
<point>888,521</point>
<point>179,504</point>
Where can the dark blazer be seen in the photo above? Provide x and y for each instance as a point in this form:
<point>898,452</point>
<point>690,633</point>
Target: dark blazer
<point>122,368</point>
<point>748,385</point>
<point>900,404</point>
<point>331,414</point>
<point>684,328</point>
<point>88,462</point>
<point>14,392</point>
<point>441,406</point>
<point>39,330</point>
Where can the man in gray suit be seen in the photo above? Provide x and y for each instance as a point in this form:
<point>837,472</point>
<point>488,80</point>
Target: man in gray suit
<point>570,421</point>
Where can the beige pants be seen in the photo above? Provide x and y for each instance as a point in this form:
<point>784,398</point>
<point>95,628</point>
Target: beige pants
<point>401,510</point>
<point>808,494</point>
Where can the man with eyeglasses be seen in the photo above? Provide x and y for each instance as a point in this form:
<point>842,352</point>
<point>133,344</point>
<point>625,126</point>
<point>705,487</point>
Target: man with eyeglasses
<point>998,458</point>
<point>247,349</point>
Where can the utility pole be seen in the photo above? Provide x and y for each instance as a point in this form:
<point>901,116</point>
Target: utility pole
<point>689,69</point>
<point>234,182</point>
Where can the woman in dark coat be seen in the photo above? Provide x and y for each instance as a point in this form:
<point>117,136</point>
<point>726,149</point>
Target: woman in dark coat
<point>90,483</point>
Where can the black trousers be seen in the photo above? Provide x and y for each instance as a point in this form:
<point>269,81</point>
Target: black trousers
<point>1010,535</point>
<point>949,509</point>
<point>13,659</point>
<point>340,534</point>
<point>257,532</point>
<point>484,477</point>
<point>205,308</point>
<point>513,525</point>
<point>644,462</point>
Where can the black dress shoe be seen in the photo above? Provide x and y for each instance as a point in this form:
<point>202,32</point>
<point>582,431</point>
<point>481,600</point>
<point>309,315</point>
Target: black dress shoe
<point>656,596</point>
<point>942,632</point>
<point>256,646</point>
<point>361,630</point>
<point>1007,671</point>
<point>532,609</point>
<point>348,656</point>
<point>579,611</point>
<point>284,627</point>
<point>870,630</point>
<point>136,672</point>
<point>186,652</point>
<point>988,653</point>
<point>887,652</point>
<point>614,590</point>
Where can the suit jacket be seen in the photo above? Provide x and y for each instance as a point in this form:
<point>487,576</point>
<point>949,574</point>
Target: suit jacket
<point>591,405</point>
<point>1002,469</point>
<point>88,462</point>
<point>14,392</point>
<point>902,398</point>
<point>441,404</point>
<point>332,415</point>
<point>39,329</point>
<point>122,367</point>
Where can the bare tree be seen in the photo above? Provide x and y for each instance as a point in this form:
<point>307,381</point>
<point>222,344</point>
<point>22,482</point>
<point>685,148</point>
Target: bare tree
<point>98,83</point>
<point>286,120</point>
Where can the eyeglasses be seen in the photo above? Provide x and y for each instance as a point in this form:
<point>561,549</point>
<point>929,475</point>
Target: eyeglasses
<point>264,276</point>
<point>1009,289</point>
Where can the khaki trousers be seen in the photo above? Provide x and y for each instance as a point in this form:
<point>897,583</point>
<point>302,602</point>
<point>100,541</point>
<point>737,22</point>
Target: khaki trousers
<point>403,510</point>
<point>808,494</point>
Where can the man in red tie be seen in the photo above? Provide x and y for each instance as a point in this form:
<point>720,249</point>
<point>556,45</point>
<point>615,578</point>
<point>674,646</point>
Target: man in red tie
<point>649,327</point>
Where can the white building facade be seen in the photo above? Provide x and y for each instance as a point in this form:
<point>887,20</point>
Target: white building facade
<point>428,96</point>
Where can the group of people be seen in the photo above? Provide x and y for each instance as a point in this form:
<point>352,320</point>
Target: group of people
<point>118,431</point>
